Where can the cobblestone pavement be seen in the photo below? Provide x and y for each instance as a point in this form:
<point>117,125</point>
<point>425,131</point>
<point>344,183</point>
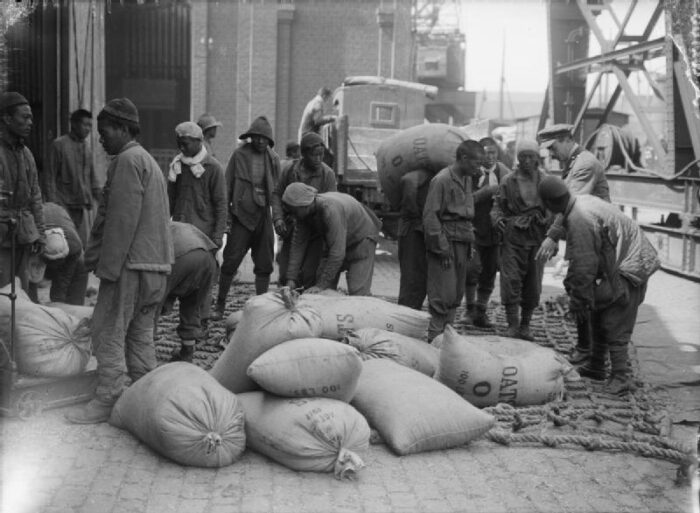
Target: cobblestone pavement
<point>51,466</point>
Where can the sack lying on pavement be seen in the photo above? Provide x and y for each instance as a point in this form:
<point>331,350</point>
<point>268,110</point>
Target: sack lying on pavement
<point>182,413</point>
<point>343,313</point>
<point>308,367</point>
<point>79,311</point>
<point>267,320</point>
<point>49,342</point>
<point>408,351</point>
<point>311,434</point>
<point>489,370</point>
<point>414,413</point>
<point>429,146</point>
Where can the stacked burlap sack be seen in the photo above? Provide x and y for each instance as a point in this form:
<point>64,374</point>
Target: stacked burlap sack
<point>49,340</point>
<point>303,378</point>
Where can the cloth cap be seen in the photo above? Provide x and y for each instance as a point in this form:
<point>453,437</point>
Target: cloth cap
<point>189,129</point>
<point>552,187</point>
<point>122,108</point>
<point>36,267</point>
<point>56,244</point>
<point>548,135</point>
<point>299,194</point>
<point>259,126</point>
<point>206,120</point>
<point>291,145</point>
<point>11,99</point>
<point>310,140</point>
<point>527,145</point>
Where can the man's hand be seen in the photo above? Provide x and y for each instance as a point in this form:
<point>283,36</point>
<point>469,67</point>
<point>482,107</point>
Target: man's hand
<point>38,246</point>
<point>280,228</point>
<point>501,225</point>
<point>292,284</point>
<point>547,250</point>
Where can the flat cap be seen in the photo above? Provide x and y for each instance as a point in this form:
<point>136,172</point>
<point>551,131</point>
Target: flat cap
<point>548,135</point>
<point>310,140</point>
<point>122,108</point>
<point>189,129</point>
<point>552,188</point>
<point>206,120</point>
<point>298,194</point>
<point>11,99</point>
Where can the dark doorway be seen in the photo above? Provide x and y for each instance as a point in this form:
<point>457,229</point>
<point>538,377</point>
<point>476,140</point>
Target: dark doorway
<point>147,49</point>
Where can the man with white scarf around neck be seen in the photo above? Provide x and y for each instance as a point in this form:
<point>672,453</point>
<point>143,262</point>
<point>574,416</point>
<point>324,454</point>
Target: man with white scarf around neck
<point>197,190</point>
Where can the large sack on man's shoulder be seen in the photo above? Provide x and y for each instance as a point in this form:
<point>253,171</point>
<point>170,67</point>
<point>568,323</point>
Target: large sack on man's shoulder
<point>414,413</point>
<point>311,434</point>
<point>267,320</point>
<point>308,367</point>
<point>408,351</point>
<point>184,414</point>
<point>490,369</point>
<point>431,146</point>
<point>341,313</point>
<point>49,342</point>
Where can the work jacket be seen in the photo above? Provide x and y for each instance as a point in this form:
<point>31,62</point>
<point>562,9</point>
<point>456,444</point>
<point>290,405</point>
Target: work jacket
<point>603,244</point>
<point>131,228</point>
<point>484,232</point>
<point>343,222</point>
<point>201,201</point>
<point>20,194</point>
<point>70,180</point>
<point>247,202</point>
<point>448,212</point>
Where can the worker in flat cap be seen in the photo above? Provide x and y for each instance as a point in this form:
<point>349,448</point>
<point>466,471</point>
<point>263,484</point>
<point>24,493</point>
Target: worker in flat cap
<point>71,177</point>
<point>610,262</point>
<point>310,170</point>
<point>131,251</point>
<point>21,215</point>
<point>209,126</point>
<point>251,177</point>
<point>197,191</point>
<point>350,232</point>
<point>449,234</point>
<point>520,215</point>
<point>583,174</point>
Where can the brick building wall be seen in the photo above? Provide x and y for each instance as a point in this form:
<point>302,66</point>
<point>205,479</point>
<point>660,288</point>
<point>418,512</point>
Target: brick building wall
<point>269,58</point>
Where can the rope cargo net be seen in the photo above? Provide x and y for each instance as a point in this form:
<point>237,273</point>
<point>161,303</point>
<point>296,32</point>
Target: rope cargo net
<point>586,418</point>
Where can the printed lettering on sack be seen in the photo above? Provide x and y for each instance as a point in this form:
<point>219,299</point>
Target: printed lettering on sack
<point>313,391</point>
<point>389,326</point>
<point>482,389</point>
<point>508,391</point>
<point>345,323</point>
<point>461,382</point>
<point>420,149</point>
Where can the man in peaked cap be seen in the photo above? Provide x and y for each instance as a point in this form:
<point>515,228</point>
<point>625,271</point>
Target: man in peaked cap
<point>583,174</point>
<point>251,177</point>
<point>20,194</point>
<point>611,261</point>
<point>131,251</point>
<point>209,124</point>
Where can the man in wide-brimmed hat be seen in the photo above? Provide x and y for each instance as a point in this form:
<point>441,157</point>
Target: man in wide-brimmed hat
<point>209,126</point>
<point>251,177</point>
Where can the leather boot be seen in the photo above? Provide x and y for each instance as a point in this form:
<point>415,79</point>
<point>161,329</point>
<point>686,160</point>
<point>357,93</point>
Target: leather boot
<point>225,281</point>
<point>513,319</point>
<point>524,331</point>
<point>186,352</point>
<point>481,318</point>
<point>620,379</point>
<point>262,283</point>
<point>469,314</point>
<point>93,412</point>
<point>582,351</point>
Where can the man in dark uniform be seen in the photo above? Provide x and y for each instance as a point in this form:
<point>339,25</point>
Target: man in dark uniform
<point>449,235</point>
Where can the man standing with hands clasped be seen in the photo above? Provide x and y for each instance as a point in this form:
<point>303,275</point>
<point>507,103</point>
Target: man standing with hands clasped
<point>449,235</point>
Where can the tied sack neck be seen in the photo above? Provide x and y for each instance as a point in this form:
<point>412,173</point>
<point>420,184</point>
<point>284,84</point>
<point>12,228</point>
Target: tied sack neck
<point>194,162</point>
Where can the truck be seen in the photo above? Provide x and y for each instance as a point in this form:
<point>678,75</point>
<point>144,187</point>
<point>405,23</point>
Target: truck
<point>370,109</point>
